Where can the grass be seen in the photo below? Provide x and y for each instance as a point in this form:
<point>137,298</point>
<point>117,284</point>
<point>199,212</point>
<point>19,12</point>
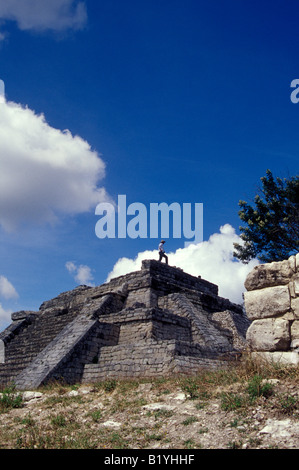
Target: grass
<point>190,420</point>
<point>288,404</point>
<point>63,421</point>
<point>10,399</point>
<point>257,388</point>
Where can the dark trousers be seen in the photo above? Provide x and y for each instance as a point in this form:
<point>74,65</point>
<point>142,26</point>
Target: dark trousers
<point>162,255</point>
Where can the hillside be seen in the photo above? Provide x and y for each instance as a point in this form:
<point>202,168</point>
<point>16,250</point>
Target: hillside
<point>247,407</point>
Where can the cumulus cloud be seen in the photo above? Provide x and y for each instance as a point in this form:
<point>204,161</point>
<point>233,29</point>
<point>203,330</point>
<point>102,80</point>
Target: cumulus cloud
<point>45,172</point>
<point>43,15</point>
<point>7,290</point>
<point>212,260</point>
<point>5,317</point>
<point>82,274</point>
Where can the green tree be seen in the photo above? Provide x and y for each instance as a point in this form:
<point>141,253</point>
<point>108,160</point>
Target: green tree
<point>272,231</point>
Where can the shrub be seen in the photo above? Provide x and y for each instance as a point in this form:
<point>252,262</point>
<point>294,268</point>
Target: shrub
<point>288,404</point>
<point>10,399</point>
<point>256,388</point>
<point>190,386</point>
<point>109,385</point>
<point>232,401</point>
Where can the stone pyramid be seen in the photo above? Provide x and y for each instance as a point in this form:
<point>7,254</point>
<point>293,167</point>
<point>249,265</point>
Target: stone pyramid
<point>153,322</point>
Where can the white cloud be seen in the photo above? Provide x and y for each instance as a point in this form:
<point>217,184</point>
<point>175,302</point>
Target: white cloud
<point>7,290</point>
<point>45,172</point>
<point>82,274</point>
<point>5,317</point>
<point>42,15</point>
<point>212,260</point>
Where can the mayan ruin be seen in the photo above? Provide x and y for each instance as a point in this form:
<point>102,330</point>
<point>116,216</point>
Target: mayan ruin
<point>153,322</point>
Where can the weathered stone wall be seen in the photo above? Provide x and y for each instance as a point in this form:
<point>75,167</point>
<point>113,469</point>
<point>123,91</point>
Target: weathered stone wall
<point>272,304</point>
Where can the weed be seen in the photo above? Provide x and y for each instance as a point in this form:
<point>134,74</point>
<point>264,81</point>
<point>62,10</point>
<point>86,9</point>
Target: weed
<point>156,437</point>
<point>117,441</point>
<point>10,399</point>
<point>190,386</point>
<point>191,444</point>
<point>28,421</point>
<point>234,423</point>
<point>96,415</point>
<point>232,401</point>
<point>190,420</point>
<point>163,413</point>
<point>109,385</point>
<point>58,421</point>
<point>288,404</point>
<point>235,445</point>
<point>203,430</point>
<point>257,388</point>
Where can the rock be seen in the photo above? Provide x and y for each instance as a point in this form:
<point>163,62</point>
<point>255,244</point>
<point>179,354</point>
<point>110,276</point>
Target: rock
<point>272,304</point>
<point>268,302</point>
<point>288,358</point>
<point>296,285</point>
<point>112,424</point>
<point>158,406</point>
<point>280,428</point>
<point>270,334</point>
<point>270,381</point>
<point>179,397</point>
<point>270,274</point>
<point>295,334</point>
<point>27,396</point>
<point>295,307</point>
<point>2,352</point>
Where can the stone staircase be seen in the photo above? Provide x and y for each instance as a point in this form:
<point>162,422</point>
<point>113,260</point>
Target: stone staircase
<point>27,342</point>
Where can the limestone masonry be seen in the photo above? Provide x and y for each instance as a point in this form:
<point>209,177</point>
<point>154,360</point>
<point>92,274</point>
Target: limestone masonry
<point>153,322</point>
<point>272,304</point>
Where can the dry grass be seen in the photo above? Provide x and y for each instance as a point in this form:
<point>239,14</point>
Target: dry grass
<point>145,414</point>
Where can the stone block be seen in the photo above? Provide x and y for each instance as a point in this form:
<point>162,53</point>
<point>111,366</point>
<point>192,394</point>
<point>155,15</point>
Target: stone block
<point>295,307</point>
<point>295,334</point>
<point>292,263</point>
<point>286,358</point>
<point>270,334</point>
<point>269,274</point>
<point>268,302</point>
<point>296,285</point>
<point>2,352</point>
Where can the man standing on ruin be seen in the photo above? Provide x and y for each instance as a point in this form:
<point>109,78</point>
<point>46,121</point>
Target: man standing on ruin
<point>162,252</point>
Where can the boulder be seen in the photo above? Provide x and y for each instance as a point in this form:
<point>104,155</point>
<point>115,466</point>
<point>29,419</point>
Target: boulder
<point>295,307</point>
<point>267,302</point>
<point>270,334</point>
<point>295,334</point>
<point>270,274</point>
<point>285,358</point>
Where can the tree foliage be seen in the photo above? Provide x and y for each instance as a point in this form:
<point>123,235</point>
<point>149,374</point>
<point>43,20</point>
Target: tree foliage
<point>272,226</point>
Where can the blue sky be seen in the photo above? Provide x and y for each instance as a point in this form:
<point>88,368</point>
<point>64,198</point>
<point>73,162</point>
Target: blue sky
<point>164,101</point>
